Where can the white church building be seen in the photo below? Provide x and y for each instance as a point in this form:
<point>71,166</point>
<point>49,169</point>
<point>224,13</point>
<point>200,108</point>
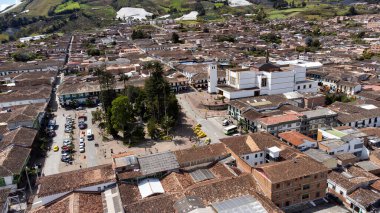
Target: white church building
<point>264,79</point>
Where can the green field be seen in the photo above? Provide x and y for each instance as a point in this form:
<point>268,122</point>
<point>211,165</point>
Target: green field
<point>41,7</point>
<point>282,14</point>
<point>310,12</point>
<point>3,38</point>
<point>68,6</point>
<point>105,12</point>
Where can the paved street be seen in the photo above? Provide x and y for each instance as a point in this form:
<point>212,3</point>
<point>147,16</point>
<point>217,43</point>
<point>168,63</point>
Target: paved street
<point>211,126</point>
<point>91,150</point>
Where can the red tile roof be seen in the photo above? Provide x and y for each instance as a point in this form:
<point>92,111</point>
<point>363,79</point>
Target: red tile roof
<point>276,119</point>
<point>295,138</point>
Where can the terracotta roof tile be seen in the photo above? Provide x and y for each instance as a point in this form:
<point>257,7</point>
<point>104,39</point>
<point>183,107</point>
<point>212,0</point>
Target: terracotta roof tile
<point>69,181</point>
<point>290,169</point>
<point>200,154</point>
<point>365,197</point>
<point>295,138</point>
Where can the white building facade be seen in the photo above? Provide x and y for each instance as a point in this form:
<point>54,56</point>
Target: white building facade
<point>267,79</point>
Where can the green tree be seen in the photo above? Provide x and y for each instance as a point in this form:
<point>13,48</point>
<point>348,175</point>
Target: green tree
<point>167,124</point>
<point>159,99</point>
<point>153,130</point>
<point>175,38</point>
<point>23,56</point>
<point>122,115</point>
<point>352,11</point>
<point>107,95</point>
<point>97,115</point>
<point>261,15</point>
<point>271,38</point>
<point>89,102</point>
<point>200,9</point>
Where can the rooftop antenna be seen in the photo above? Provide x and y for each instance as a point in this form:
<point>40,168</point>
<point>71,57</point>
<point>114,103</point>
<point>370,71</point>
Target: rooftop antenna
<point>267,57</point>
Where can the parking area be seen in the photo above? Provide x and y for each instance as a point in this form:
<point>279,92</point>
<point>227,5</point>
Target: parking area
<point>71,148</point>
<point>100,150</point>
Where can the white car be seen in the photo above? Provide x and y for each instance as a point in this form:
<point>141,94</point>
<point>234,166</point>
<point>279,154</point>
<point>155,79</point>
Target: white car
<point>81,149</point>
<point>81,142</point>
<point>66,142</point>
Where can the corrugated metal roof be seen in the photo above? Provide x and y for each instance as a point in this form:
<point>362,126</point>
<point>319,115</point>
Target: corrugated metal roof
<point>160,162</point>
<point>243,204</point>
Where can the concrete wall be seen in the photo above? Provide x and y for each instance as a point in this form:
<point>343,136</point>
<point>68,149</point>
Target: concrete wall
<point>254,159</point>
<point>50,198</point>
<point>24,102</point>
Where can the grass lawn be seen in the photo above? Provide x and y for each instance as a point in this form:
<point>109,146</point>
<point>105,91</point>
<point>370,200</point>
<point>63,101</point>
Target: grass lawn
<point>3,37</point>
<point>68,6</point>
<point>106,12</point>
<point>41,7</point>
<point>310,12</point>
<point>281,14</point>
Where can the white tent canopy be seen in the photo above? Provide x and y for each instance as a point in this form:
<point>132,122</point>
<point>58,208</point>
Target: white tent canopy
<point>150,186</point>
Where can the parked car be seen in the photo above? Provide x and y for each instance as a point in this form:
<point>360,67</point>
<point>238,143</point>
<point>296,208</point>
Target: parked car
<point>65,153</point>
<point>79,108</point>
<point>81,149</point>
<point>67,142</point>
<point>68,129</point>
<point>67,148</point>
<point>225,122</point>
<point>82,125</point>
<point>55,148</point>
<point>66,159</point>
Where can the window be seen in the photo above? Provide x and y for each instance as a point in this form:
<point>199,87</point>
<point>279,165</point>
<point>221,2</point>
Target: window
<point>299,87</point>
<point>99,188</point>
<point>304,86</point>
<point>315,176</point>
<point>255,155</point>
<point>317,194</point>
<point>278,186</point>
<point>306,187</point>
<point>298,123</point>
<point>341,192</point>
<point>261,162</point>
<point>255,163</point>
<point>287,203</point>
<point>305,196</point>
<point>318,185</point>
<point>247,157</point>
<point>263,82</point>
<point>261,154</point>
<point>289,125</point>
<point>357,146</point>
<point>310,86</point>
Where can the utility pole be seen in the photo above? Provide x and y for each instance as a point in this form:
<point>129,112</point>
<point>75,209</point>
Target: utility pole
<point>27,178</point>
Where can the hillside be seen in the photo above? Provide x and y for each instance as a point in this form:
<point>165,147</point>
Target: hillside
<point>48,16</point>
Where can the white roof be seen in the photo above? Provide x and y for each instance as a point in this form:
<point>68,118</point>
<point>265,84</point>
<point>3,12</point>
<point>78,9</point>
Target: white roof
<point>368,106</point>
<point>274,149</point>
<point>150,186</point>
<point>302,63</point>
